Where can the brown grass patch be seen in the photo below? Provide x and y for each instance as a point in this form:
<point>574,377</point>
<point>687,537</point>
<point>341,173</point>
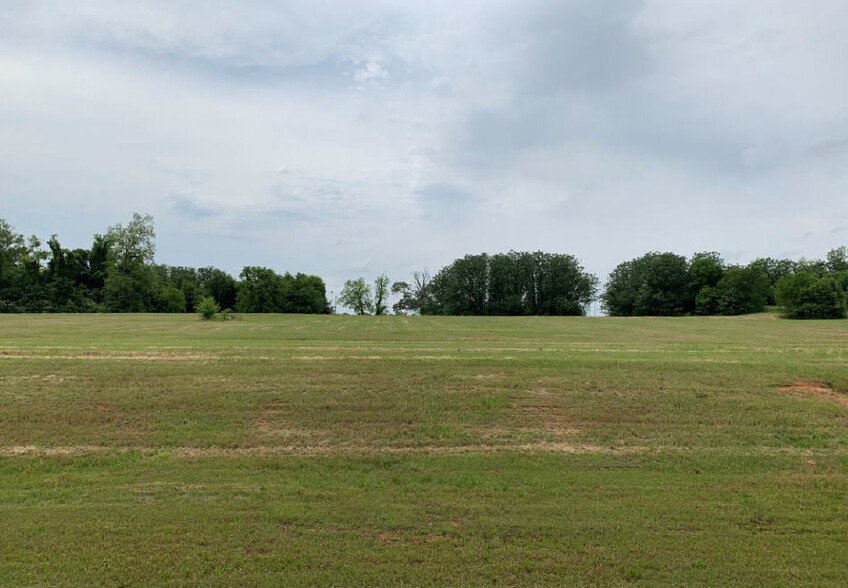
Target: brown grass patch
<point>818,390</point>
<point>130,356</point>
<point>272,426</point>
<point>36,378</point>
<point>319,450</point>
<point>542,409</point>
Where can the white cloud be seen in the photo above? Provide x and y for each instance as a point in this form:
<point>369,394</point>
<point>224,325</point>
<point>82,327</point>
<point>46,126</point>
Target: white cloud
<point>602,130</point>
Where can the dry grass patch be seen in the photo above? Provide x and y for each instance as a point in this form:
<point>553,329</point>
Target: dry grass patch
<point>816,390</point>
<point>542,409</point>
<point>128,356</point>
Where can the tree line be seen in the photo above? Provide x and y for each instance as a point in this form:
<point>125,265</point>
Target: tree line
<point>118,274</point>
<point>655,284</point>
<point>666,284</point>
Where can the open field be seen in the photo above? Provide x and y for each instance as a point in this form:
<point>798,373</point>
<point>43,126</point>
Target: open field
<point>360,450</point>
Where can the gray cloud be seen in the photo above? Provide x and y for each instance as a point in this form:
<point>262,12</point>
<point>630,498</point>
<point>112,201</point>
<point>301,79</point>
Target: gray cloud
<point>410,133</point>
<point>444,204</point>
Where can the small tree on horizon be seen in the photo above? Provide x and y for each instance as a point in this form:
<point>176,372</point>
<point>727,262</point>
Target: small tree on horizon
<point>381,294</point>
<point>356,295</point>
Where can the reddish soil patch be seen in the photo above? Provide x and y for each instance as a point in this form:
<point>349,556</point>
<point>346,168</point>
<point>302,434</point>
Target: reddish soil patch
<point>816,390</point>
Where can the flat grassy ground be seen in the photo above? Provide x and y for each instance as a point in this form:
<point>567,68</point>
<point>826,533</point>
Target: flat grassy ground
<point>291,450</point>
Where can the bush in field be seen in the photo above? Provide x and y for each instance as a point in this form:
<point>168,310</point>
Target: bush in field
<point>207,308</point>
<point>807,296</point>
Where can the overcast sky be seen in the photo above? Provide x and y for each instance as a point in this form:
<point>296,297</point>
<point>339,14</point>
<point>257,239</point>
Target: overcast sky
<point>351,137</point>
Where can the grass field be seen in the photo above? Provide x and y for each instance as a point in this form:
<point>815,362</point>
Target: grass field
<point>292,450</point>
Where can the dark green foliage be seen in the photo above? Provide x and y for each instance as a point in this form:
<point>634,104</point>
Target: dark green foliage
<point>381,294</point>
<point>219,285</point>
<point>414,296</point>
<point>742,290</point>
<point>707,301</point>
<point>656,284</point>
<point>461,288</point>
<point>131,281</point>
<point>514,283</point>
<point>170,299</point>
<point>183,279</point>
<point>805,295</point>
<point>774,270</point>
<point>207,308</point>
<point>118,275</point>
<point>263,290</point>
<point>705,269</point>
<point>560,285</point>
<point>837,260</point>
<point>664,284</point>
<point>260,290</point>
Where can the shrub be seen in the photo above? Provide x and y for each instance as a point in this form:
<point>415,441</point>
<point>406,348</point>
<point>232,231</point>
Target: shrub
<point>807,296</point>
<point>207,308</point>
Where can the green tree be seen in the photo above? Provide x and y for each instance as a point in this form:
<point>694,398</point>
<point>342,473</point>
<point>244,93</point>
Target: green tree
<point>68,278</point>
<point>837,260</point>
<point>774,270</point>
<point>742,290</point>
<point>805,295</point>
<point>705,271</point>
<point>514,283</point>
<point>219,285</point>
<point>12,251</point>
<point>415,296</point>
<point>170,299</point>
<point>260,290</point>
<point>356,295</point>
<point>304,294</point>
<point>263,290</point>
<point>462,288</point>
<point>131,283</point>
<point>207,308</point>
<point>559,286</point>
<point>656,284</point>
<point>381,294</point>
<point>707,301</point>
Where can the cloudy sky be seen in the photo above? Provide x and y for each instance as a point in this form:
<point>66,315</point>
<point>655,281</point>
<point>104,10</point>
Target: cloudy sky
<point>347,138</point>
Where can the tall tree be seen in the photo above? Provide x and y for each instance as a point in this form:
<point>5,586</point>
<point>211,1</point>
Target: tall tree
<point>656,284</point>
<point>462,287</point>
<point>805,295</point>
<point>514,283</point>
<point>414,297</point>
<point>774,270</point>
<point>131,284</point>
<point>742,290</point>
<point>381,294</point>
<point>356,295</point>
<point>260,290</point>
<point>219,285</point>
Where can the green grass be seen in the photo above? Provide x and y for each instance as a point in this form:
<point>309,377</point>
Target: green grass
<point>294,450</point>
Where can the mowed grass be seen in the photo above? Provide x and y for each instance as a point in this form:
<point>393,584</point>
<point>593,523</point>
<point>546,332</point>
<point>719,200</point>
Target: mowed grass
<point>294,450</point>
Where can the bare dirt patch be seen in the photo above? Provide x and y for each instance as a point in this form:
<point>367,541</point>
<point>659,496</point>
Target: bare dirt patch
<point>816,390</point>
